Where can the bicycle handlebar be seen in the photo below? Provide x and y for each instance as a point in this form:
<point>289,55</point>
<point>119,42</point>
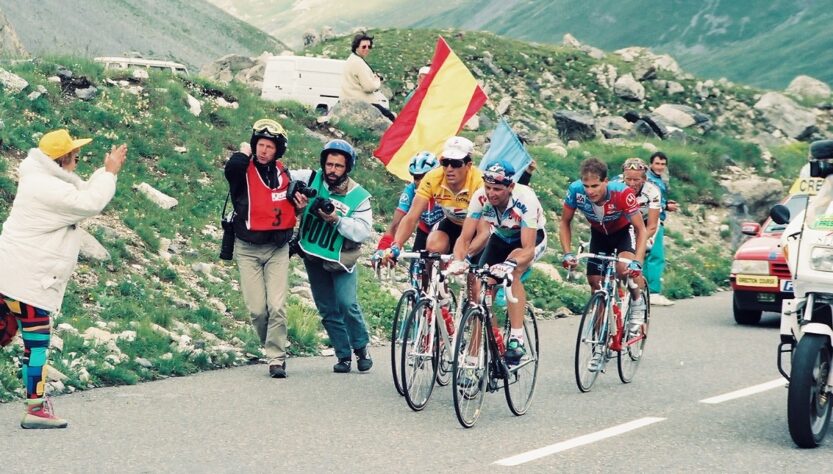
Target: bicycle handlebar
<point>505,281</point>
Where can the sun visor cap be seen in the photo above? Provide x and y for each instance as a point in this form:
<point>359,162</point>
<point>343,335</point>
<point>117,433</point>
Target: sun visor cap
<point>457,148</point>
<point>58,143</point>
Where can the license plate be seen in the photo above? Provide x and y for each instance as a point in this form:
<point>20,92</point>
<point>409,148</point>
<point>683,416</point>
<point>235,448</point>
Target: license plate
<point>787,286</point>
<point>766,297</point>
<point>762,281</point>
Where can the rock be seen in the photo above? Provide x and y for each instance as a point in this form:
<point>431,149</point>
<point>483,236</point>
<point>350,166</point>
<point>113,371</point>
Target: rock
<point>83,375</point>
<point>563,312</point>
<point>629,88</point>
<point>56,343</point>
<point>570,40</point>
<point>100,336</point>
<point>202,267</point>
<point>328,352</point>
<point>613,127</point>
<point>757,193</point>
<point>157,197</point>
<point>91,248</point>
<point>557,149</point>
<point>302,291</point>
<point>359,113</point>
<point>808,88</point>
<point>180,149</point>
<point>503,105</point>
<point>34,95</point>
<point>575,125</point>
<point>650,147</point>
<point>674,116</point>
<point>194,106</point>
<point>473,123</point>
<point>309,38</point>
<point>167,356</point>
<point>643,128</point>
<point>659,300</point>
<point>606,74</point>
<point>783,113</point>
<point>222,102</point>
<point>673,87</point>
<point>140,74</point>
<point>12,83</point>
<point>549,270</point>
<point>128,336</point>
<point>225,68</point>
<point>55,387</point>
<point>143,362</point>
<point>67,328</point>
<point>87,93</point>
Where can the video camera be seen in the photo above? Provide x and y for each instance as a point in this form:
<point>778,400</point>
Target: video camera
<point>821,154</point>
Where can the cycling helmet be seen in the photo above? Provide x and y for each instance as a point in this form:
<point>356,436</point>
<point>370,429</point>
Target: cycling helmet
<point>499,172</point>
<point>339,146</point>
<point>422,163</point>
<point>270,130</point>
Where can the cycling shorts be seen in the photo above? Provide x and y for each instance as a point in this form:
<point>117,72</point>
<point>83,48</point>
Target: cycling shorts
<point>497,249</point>
<point>623,240</point>
<point>450,229</point>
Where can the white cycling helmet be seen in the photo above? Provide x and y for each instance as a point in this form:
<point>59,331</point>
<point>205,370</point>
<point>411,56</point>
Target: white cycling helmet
<point>422,163</point>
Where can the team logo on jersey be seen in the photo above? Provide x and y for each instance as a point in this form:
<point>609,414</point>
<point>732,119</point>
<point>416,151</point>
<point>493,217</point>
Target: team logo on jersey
<point>631,200</point>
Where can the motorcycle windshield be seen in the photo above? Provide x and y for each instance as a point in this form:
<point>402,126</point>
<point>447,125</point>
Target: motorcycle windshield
<point>820,208</point>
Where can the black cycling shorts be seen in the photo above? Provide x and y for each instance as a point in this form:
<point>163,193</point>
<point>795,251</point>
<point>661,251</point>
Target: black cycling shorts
<point>419,240</point>
<point>497,249</point>
<point>452,230</point>
<point>620,241</point>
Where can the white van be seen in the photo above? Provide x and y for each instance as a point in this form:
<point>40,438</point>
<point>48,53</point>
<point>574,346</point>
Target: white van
<point>111,62</point>
<point>312,81</point>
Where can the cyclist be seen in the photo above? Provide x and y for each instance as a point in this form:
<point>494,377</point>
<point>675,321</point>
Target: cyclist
<point>451,187</point>
<point>648,195</point>
<point>612,210</point>
<point>505,220</point>
<point>420,164</point>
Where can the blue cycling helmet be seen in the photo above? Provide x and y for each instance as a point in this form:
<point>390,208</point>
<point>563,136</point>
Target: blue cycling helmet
<point>423,162</point>
<point>339,146</point>
<point>499,172</point>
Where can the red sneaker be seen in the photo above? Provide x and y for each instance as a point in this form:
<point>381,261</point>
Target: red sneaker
<point>40,416</point>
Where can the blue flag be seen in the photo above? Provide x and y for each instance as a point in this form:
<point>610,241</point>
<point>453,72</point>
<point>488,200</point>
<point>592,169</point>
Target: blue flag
<point>505,145</point>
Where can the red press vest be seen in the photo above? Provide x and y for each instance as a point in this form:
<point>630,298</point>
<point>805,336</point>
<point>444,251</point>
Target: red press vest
<point>269,209</point>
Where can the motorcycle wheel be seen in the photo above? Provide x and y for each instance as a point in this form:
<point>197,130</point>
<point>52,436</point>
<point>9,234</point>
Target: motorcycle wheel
<point>808,402</point>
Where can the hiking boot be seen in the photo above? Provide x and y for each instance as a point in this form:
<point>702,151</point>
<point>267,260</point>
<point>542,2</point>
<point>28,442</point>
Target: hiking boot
<point>343,365</point>
<point>514,351</point>
<point>363,360</point>
<point>278,371</point>
<point>637,315</point>
<point>39,416</point>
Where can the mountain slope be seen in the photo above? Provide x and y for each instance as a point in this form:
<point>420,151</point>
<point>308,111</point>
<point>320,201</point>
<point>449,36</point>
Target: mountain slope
<point>759,42</point>
<point>189,31</point>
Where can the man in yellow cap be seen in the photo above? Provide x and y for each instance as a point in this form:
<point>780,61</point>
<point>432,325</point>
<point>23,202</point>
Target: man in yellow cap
<point>39,249</point>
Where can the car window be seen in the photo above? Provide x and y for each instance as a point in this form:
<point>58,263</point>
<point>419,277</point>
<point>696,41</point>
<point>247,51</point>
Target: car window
<point>795,204</point>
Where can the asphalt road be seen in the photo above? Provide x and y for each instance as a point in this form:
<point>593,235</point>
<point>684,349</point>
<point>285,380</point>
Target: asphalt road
<point>239,420</point>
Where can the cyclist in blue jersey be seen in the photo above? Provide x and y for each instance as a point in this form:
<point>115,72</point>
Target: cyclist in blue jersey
<point>655,262</point>
<point>612,210</point>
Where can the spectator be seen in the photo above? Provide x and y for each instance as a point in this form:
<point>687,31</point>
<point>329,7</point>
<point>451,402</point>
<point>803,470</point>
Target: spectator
<point>39,249</point>
<point>423,71</point>
<point>655,261</point>
<point>332,229</point>
<point>263,222</point>
<point>359,81</point>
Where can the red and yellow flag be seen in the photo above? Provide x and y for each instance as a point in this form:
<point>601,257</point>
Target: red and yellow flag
<point>448,97</point>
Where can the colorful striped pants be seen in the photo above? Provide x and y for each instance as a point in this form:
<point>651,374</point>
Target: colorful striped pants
<point>34,326</point>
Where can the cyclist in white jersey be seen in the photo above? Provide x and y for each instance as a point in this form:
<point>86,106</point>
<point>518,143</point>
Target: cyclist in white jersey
<point>648,195</point>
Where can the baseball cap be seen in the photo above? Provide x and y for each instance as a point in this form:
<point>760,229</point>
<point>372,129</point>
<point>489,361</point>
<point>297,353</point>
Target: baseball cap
<point>457,148</point>
<point>424,70</point>
<point>58,143</point>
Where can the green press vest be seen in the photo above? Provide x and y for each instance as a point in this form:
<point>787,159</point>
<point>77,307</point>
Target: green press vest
<point>320,238</point>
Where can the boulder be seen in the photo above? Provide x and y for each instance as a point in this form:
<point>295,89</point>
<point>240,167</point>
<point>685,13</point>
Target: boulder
<point>629,88</point>
<point>758,194</point>
<point>675,116</point>
<point>194,105</point>
<point>359,113</point>
<point>91,248</point>
<point>606,74</point>
<point>12,83</point>
<point>784,114</point>
<point>808,88</point>
<point>157,197</point>
<point>575,125</point>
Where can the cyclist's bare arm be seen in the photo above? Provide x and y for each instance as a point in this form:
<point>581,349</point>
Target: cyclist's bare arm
<point>526,252</point>
<point>566,233</point>
<point>467,235</point>
<point>410,221</point>
<point>398,214</point>
<point>641,235</point>
<point>653,222</point>
<point>484,231</point>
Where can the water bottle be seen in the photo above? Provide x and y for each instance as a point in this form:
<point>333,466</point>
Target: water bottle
<point>449,320</point>
<point>501,346</point>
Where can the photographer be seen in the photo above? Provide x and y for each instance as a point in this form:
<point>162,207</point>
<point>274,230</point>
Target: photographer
<point>262,226</point>
<point>334,224</point>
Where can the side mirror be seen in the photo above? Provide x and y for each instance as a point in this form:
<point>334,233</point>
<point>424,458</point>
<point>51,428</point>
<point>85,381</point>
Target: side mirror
<point>750,228</point>
<point>780,214</point>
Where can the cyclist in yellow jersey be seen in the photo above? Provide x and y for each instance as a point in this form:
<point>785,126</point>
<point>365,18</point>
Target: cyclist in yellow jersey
<point>451,186</point>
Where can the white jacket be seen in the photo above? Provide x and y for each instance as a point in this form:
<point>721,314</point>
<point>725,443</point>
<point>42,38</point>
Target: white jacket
<point>359,81</point>
<point>39,243</point>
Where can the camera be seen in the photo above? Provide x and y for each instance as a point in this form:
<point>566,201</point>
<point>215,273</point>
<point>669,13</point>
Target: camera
<point>297,186</point>
<point>821,152</point>
<point>227,244</point>
<point>325,205</point>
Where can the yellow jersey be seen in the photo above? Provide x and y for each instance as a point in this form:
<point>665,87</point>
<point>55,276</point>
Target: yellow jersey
<point>454,205</point>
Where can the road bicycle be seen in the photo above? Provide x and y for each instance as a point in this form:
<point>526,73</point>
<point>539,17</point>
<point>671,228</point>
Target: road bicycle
<point>605,331</point>
<point>426,337</point>
<point>478,364</point>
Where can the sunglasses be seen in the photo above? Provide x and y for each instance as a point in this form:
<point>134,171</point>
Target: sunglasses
<point>634,165</point>
<point>418,177</point>
<point>365,47</point>
<point>445,162</point>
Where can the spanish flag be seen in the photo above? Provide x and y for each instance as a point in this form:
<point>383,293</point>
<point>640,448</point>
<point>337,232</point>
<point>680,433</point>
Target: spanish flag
<point>448,96</point>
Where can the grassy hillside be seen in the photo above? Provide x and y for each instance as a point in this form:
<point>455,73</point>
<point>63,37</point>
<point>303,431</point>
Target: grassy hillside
<point>193,32</point>
<point>759,42</point>
<point>186,290</point>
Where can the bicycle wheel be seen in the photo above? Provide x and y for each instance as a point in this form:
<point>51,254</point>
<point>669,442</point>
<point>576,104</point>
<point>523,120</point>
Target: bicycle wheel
<point>419,356</point>
<point>469,374</point>
<point>520,384</point>
<point>400,315</point>
<point>446,354</point>
<point>634,344</point>
<point>591,341</point>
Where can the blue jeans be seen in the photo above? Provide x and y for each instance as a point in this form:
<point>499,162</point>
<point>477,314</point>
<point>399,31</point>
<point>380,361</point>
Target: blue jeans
<point>336,299</point>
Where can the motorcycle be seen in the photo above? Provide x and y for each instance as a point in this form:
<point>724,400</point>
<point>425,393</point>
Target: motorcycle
<point>807,320</point>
